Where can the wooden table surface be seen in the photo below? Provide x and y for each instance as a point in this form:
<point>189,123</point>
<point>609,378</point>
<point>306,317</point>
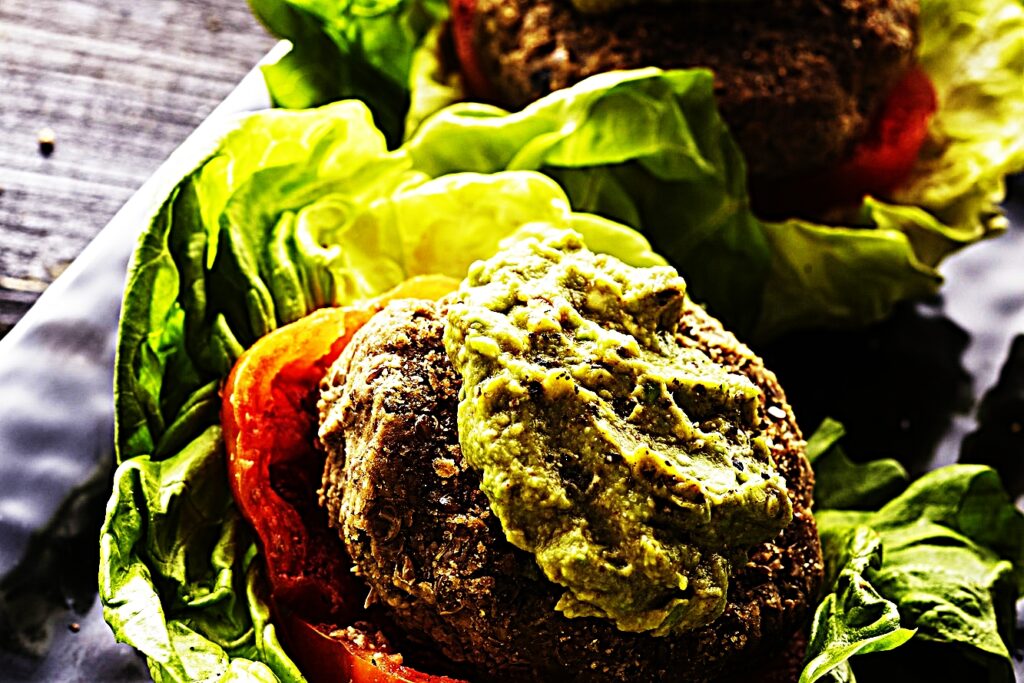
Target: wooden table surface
<point>121,83</point>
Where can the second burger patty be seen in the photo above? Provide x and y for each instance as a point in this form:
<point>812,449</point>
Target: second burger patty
<point>421,533</point>
<point>797,81</point>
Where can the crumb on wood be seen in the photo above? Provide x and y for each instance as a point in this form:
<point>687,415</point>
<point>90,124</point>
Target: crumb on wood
<point>47,141</point>
<point>74,627</point>
<point>213,23</point>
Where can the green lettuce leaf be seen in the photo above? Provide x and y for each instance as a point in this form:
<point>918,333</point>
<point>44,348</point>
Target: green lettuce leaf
<point>177,565</point>
<point>827,276</point>
<point>361,49</point>
<point>853,618</point>
<point>648,148</point>
<point>840,483</point>
<point>943,556</point>
<point>674,172</point>
<point>974,53</point>
<point>179,327</point>
<point>432,86</point>
<point>291,212</point>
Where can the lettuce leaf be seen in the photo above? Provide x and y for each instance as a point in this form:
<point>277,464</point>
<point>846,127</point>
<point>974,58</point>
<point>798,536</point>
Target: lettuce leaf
<point>674,171</point>
<point>648,148</point>
<point>840,483</point>
<point>179,327</point>
<point>942,557</point>
<point>361,49</point>
<point>292,211</point>
<point>792,274</point>
<point>853,618</point>
<point>974,53</point>
<point>177,563</point>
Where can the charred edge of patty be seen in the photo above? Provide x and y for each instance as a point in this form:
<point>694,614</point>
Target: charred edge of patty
<point>797,81</point>
<point>421,533</point>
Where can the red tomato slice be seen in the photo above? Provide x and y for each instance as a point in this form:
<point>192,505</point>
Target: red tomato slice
<point>878,166</point>
<point>269,417</point>
<point>885,158</point>
<point>477,84</point>
<point>339,659</point>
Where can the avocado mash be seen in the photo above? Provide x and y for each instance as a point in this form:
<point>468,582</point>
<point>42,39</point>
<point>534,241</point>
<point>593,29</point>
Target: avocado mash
<point>629,464</point>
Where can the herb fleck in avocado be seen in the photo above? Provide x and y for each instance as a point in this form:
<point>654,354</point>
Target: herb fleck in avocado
<point>631,465</point>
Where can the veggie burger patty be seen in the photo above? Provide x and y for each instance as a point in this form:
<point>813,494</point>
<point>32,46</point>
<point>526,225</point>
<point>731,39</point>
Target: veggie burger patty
<point>797,81</point>
<point>423,537</point>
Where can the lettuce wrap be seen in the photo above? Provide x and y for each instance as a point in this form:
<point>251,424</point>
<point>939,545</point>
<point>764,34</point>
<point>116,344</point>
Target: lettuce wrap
<point>781,275</point>
<point>294,211</point>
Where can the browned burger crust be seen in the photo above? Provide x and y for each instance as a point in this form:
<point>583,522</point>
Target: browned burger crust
<point>797,81</point>
<point>421,533</point>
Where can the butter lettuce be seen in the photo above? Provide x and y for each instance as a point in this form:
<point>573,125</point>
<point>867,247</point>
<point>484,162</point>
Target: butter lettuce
<point>791,274</point>
<point>648,148</point>
<point>840,483</point>
<point>293,211</point>
<point>180,578</point>
<point>674,170</point>
<point>974,53</point>
<point>360,49</point>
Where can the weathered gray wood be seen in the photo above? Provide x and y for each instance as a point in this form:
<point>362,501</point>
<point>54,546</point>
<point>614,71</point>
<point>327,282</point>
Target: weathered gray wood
<point>121,83</point>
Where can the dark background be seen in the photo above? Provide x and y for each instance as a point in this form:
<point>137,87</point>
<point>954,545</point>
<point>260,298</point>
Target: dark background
<point>121,83</point>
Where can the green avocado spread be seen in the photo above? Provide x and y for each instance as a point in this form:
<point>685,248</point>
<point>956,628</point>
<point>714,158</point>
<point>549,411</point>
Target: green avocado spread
<point>631,465</point>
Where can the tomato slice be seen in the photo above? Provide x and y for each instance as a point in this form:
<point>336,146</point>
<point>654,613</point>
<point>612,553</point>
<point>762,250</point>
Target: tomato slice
<point>477,84</point>
<point>885,158</point>
<point>268,414</point>
<point>880,163</point>
<point>359,658</point>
